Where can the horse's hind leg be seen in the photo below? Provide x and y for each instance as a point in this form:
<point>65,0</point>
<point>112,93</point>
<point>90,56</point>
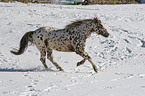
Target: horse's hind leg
<point>50,57</point>
<point>42,49</point>
<point>42,59</point>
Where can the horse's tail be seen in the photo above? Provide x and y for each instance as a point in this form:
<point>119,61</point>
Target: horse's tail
<point>24,43</point>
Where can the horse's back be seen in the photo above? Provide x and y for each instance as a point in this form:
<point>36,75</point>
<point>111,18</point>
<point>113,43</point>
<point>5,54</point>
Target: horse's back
<point>42,33</point>
<point>57,39</point>
<point>60,40</point>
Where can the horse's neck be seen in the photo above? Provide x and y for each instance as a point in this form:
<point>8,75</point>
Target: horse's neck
<point>86,29</point>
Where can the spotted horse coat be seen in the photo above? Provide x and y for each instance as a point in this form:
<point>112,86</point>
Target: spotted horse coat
<point>70,39</point>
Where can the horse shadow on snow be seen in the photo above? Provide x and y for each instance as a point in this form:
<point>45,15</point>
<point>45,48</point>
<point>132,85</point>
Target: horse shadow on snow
<point>26,70</point>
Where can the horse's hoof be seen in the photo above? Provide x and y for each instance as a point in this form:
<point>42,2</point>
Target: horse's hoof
<point>46,67</point>
<point>61,69</point>
<point>95,69</point>
<point>78,64</point>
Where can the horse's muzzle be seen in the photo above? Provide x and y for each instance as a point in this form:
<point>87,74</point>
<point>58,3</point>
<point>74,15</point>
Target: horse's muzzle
<point>106,35</point>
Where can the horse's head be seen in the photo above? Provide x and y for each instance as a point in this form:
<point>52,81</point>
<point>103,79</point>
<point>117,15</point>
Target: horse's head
<point>99,28</point>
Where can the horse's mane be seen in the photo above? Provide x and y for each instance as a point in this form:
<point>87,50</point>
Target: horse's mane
<point>77,23</point>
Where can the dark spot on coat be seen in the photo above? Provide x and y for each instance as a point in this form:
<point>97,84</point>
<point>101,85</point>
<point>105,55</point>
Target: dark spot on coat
<point>70,38</point>
<point>59,48</point>
<point>39,31</point>
<point>41,38</point>
<point>46,43</point>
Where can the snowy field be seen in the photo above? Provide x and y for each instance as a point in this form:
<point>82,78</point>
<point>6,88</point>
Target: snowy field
<point>120,58</point>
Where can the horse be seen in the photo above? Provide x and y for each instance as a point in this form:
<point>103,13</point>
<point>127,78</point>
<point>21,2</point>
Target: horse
<point>70,39</point>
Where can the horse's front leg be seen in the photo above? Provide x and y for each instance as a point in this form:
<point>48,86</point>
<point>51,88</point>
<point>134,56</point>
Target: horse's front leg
<point>50,57</point>
<point>81,62</point>
<point>86,57</point>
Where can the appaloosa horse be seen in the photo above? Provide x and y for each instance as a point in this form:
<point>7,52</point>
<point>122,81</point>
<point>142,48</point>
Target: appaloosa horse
<point>70,39</point>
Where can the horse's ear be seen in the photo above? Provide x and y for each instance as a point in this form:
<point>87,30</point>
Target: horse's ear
<point>97,20</point>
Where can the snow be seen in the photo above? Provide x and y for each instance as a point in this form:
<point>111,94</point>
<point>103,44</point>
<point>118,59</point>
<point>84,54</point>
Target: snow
<point>120,58</point>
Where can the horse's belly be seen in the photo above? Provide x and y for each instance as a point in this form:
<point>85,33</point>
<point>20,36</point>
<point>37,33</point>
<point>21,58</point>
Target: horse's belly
<point>61,46</point>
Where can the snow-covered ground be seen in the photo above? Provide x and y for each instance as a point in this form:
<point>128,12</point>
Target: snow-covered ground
<point>120,58</point>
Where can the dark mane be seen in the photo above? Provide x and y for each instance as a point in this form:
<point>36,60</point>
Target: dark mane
<point>77,23</point>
